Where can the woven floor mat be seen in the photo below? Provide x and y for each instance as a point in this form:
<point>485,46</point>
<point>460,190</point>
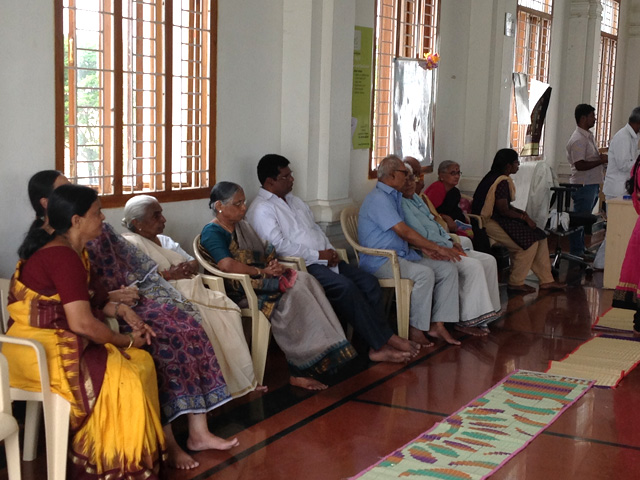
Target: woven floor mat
<point>618,319</point>
<point>605,360</point>
<point>482,436</point>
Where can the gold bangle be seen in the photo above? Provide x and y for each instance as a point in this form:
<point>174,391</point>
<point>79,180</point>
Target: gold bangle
<point>130,340</point>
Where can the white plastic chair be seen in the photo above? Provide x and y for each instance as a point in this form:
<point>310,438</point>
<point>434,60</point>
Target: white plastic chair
<point>9,429</point>
<point>56,409</point>
<point>260,326</point>
<point>402,286</point>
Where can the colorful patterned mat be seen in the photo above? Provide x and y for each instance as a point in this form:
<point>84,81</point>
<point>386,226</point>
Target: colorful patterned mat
<point>605,360</point>
<point>481,437</point>
<point>618,319</point>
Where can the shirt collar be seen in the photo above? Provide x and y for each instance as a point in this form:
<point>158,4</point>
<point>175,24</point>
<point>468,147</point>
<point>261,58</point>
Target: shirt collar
<point>583,132</point>
<point>267,195</point>
<point>387,189</point>
<point>633,134</point>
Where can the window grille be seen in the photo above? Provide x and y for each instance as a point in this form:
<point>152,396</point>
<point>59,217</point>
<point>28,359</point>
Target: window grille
<point>138,89</point>
<point>533,39</point>
<point>607,70</point>
<point>404,28</point>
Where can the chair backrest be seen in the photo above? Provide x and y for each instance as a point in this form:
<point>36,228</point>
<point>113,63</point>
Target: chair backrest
<point>4,294</point>
<point>349,223</point>
<point>5,390</point>
<point>201,260</point>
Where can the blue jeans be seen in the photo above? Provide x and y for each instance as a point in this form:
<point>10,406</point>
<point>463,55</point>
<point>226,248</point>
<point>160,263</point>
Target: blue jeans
<point>584,200</point>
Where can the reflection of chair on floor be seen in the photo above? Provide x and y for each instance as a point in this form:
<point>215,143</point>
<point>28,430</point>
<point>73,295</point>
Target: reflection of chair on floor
<point>577,222</point>
<point>402,286</point>
<point>56,409</point>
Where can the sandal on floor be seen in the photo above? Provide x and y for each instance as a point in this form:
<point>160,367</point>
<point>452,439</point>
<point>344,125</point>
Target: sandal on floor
<point>553,286</point>
<point>524,288</point>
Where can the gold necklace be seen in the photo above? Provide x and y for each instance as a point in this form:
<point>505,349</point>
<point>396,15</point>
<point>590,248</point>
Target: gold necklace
<point>219,222</point>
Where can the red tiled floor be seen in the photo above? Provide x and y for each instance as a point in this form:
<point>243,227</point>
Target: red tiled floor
<point>337,433</point>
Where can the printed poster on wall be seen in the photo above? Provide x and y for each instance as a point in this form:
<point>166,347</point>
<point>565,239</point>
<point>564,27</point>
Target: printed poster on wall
<point>361,88</point>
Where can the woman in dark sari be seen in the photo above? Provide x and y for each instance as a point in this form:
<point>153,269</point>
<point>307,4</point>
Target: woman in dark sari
<point>303,322</point>
<point>512,227</point>
<point>188,374</point>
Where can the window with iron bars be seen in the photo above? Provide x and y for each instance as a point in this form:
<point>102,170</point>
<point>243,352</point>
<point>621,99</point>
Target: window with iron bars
<point>136,96</point>
<point>607,70</point>
<point>404,28</point>
<point>533,39</point>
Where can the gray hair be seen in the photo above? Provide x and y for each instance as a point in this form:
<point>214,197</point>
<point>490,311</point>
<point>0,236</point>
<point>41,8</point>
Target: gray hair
<point>136,209</point>
<point>446,164</point>
<point>409,167</point>
<point>635,115</point>
<point>222,192</point>
<point>388,165</point>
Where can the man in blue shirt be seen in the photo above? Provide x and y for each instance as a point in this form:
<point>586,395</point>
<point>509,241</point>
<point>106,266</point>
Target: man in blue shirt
<point>434,298</point>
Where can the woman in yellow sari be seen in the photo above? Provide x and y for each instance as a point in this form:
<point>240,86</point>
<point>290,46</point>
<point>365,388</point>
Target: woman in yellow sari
<point>111,385</point>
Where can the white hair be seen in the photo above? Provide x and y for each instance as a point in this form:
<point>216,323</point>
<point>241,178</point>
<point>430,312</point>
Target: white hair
<point>136,209</point>
<point>388,165</point>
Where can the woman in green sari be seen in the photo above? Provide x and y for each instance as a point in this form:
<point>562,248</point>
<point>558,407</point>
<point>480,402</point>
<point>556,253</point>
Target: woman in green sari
<point>303,322</point>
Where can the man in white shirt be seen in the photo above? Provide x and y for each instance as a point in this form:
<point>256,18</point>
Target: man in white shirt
<point>287,222</point>
<point>623,151</point>
<point>586,169</point>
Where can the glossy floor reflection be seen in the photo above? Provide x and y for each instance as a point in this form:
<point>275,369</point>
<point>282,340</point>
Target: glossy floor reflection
<point>293,434</point>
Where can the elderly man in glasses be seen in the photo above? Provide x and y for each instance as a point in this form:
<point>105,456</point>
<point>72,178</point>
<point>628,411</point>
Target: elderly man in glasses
<point>431,266</point>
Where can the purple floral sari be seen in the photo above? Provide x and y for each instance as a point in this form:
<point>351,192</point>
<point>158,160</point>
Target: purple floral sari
<point>189,377</point>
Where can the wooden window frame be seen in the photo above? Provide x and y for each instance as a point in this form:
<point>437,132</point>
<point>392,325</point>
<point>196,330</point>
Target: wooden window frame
<point>607,62</point>
<point>540,45</point>
<point>201,137</point>
<point>422,37</point>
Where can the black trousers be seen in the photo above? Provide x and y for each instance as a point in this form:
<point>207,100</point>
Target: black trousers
<point>356,297</point>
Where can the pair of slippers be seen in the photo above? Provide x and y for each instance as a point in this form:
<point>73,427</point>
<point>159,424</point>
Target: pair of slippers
<point>524,288</point>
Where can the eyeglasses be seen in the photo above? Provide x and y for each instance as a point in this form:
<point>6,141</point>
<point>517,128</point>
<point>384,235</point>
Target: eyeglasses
<point>455,173</point>
<point>405,171</point>
<point>288,176</point>
<point>411,178</point>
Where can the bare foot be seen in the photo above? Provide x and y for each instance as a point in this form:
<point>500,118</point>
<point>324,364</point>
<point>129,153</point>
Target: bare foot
<point>210,442</point>
<point>307,383</point>
<point>416,335</point>
<point>178,458</point>
<point>262,388</point>
<point>404,345</point>
<point>388,354</point>
<point>475,331</point>
<point>438,330</point>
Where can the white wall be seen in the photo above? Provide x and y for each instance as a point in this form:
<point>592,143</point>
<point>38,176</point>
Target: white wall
<point>283,86</point>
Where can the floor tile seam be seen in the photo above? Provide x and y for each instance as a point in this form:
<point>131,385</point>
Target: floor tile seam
<point>400,407</point>
<point>303,422</point>
<point>591,440</point>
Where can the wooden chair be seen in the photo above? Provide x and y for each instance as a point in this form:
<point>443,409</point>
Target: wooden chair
<point>402,286</point>
<point>260,326</point>
<point>56,409</point>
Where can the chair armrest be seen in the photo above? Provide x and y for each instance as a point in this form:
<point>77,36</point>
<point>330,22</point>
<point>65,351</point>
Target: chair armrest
<point>342,254</point>
<point>297,263</point>
<point>478,219</point>
<point>214,283</point>
<point>455,238</point>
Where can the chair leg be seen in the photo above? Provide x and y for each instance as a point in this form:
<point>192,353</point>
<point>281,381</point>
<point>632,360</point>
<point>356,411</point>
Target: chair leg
<point>260,330</point>
<point>57,438</point>
<point>12,449</point>
<point>32,418</point>
<point>403,307</point>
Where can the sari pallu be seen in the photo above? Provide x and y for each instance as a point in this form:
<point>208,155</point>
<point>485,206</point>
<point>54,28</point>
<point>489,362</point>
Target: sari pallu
<point>107,392</point>
<point>221,318</point>
<point>302,320</point>
<point>189,376</point>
